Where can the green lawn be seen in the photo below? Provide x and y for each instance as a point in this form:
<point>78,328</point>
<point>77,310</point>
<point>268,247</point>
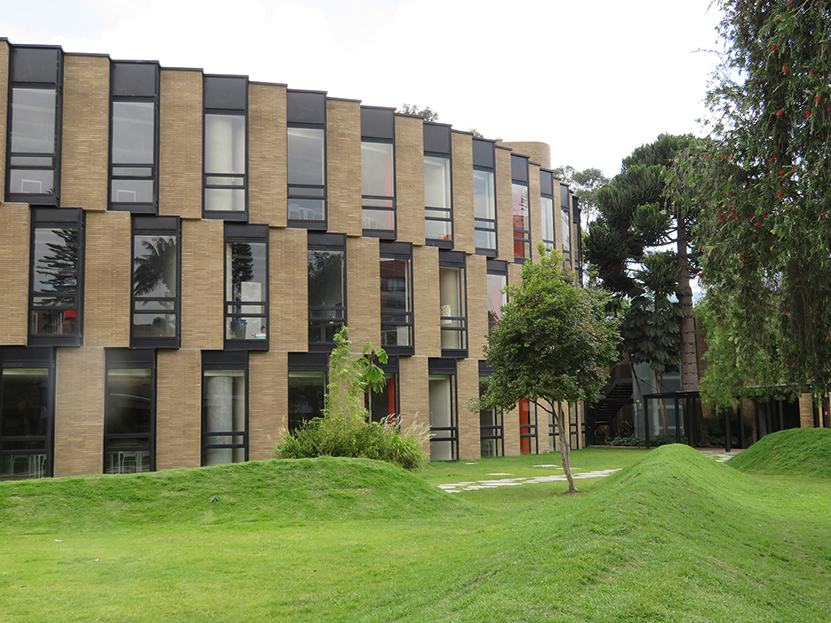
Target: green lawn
<point>674,536</point>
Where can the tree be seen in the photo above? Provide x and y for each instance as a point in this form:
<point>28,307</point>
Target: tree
<point>764,195</point>
<point>585,184</point>
<point>551,345</point>
<point>628,247</point>
<point>426,113</point>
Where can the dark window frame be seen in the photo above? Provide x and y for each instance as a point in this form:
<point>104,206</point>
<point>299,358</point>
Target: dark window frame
<point>456,259</point>
<point>521,236</point>
<point>51,218</point>
<point>378,126</point>
<point>529,431</point>
<point>157,226</point>
<point>402,251</point>
<point>317,363</point>
<point>491,432</point>
<point>135,207</point>
<point>438,143</point>
<point>328,242</point>
<point>446,367</point>
<point>302,117</point>
<point>245,233</point>
<point>498,268</point>
<point>224,360</point>
<point>484,160</point>
<point>565,210</point>
<point>391,368</point>
<point>547,179</point>
<point>35,199</point>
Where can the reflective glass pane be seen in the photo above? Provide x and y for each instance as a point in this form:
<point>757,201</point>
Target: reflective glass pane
<point>382,404</point>
<point>377,169</point>
<point>129,404</point>
<point>306,209</point>
<point>224,143</point>
<point>436,182</point>
<point>31,161</point>
<point>132,191</point>
<point>519,198</point>
<point>396,302</point>
<point>306,156</point>
<point>438,230</point>
<point>225,199</point>
<point>31,181</point>
<point>442,416</point>
<point>484,195</point>
<point>326,278</point>
<point>134,132</point>
<point>25,407</point>
<point>378,219</point>
<point>121,460</point>
<point>56,322</point>
<point>485,239</point>
<point>33,121</point>
<point>55,260</point>
<point>566,228</point>
<point>452,304</point>
<point>306,397</point>
<point>547,209</point>
<point>154,325</point>
<point>496,298</point>
<point>155,266</point>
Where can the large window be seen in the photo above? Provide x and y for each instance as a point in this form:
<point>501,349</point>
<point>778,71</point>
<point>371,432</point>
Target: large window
<point>156,282</point>
<point>327,287</point>
<point>56,279</point>
<point>224,407</point>
<point>547,208</point>
<point>484,197</point>
<point>307,387</point>
<point>226,147</point>
<point>306,151</point>
<point>134,130</point>
<point>34,134</point>
<point>438,197</point>
<point>527,428</point>
<point>565,220</point>
<point>491,429</point>
<point>130,407</point>
<point>444,427</point>
<point>452,295</point>
<point>27,405</point>
<point>497,282</point>
<point>378,171</point>
<point>397,298</point>
<point>519,201</point>
<point>385,403</point>
<point>246,286</point>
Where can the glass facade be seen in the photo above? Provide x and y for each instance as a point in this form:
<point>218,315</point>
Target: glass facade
<point>327,293</point>
<point>453,309</point>
<point>443,422</point>
<point>224,408</point>
<point>306,153</point>
<point>484,210</point>
<point>307,391</point>
<point>522,222</point>
<point>396,302</point>
<point>438,215</point>
<point>378,186</point>
<point>129,426</point>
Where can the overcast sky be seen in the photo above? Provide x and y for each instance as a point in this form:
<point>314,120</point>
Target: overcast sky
<point>592,78</point>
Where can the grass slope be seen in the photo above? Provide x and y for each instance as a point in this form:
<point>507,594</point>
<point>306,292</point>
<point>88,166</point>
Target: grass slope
<point>797,451</point>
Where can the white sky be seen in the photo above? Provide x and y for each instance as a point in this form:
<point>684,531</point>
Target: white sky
<point>592,78</point>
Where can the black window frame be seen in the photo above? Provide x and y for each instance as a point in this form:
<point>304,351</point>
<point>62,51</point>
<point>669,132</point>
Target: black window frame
<point>18,79</point>
<point>378,126</point>
<point>223,360</point>
<point>157,226</point>
<point>306,363</point>
<point>565,210</point>
<point>529,431</point>
<point>245,233</point>
<point>219,98</point>
<point>400,251</point>
<point>327,242</point>
<point>579,233</point>
<point>490,432</point>
<point>456,259</point>
<point>547,192</point>
<point>127,359</point>
<point>519,177</point>
<point>50,218</point>
<point>307,110</point>
<point>484,160</point>
<point>123,93</point>
<point>438,144</point>
<point>390,369</point>
<point>497,268</point>
<point>446,367</point>
<point>17,357</point>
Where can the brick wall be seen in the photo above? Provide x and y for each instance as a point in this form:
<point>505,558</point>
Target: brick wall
<point>107,279</point>
<point>363,296</point>
<point>477,305</point>
<point>510,427</point>
<point>534,208</point>
<point>267,402</point>
<point>180,143</point>
<point>343,166</point>
<point>203,287</point>
<point>178,408</point>
<point>426,308</point>
<point>267,154</point>
<point>467,376</point>
<point>415,394</point>
<point>539,152</point>
<point>504,209</point>
<point>79,411</point>
<point>14,266</point>
<point>462,164</point>
<point>806,411</point>
<point>409,178</point>
<point>289,298</point>
<point>86,132</point>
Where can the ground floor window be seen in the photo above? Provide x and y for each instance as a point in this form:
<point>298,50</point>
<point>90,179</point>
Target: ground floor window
<point>224,407</point>
<point>444,427</point>
<point>491,433</point>
<point>307,392</point>
<point>527,428</point>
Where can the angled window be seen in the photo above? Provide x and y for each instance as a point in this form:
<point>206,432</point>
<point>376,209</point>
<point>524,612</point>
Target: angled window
<point>327,288</point>
<point>224,407</point>
<point>306,157</point>
<point>491,421</point>
<point>246,286</point>
<point>130,407</point>
<point>306,387</point>
<point>27,412</point>
<point>547,208</point>
<point>34,129</point>
<point>134,136</point>
<point>385,403</point>
<point>438,193</point>
<point>226,147</point>
<point>56,281</point>
<point>497,282</point>
<point>156,282</point>
<point>565,220</point>
<point>378,172</point>
<point>519,200</point>
<point>484,197</point>
<point>452,298</point>
<point>397,298</point>
<point>527,427</point>
<point>444,423</point>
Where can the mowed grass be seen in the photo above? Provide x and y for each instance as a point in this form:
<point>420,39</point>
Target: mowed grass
<point>674,536</point>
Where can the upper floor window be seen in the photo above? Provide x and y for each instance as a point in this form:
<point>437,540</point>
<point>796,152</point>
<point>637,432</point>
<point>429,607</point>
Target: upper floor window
<point>484,197</point>
<point>224,407</point>
<point>579,263</point>
<point>565,220</point>
<point>130,408</point>
<point>246,286</point>
<point>497,282</point>
<point>56,280</point>
<point>34,134</point>
<point>452,301</point>
<point>156,282</point>
<point>378,172</point>
<point>547,208</point>
<point>306,159</point>
<point>397,298</point>
<point>327,287</point>
<point>134,130</point>
<point>438,196</point>
<point>519,201</point>
<point>226,147</point>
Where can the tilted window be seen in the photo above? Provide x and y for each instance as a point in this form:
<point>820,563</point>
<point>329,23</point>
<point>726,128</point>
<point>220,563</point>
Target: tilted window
<point>327,287</point>
<point>246,286</point>
<point>378,172</point>
<point>306,159</point>
<point>224,407</point>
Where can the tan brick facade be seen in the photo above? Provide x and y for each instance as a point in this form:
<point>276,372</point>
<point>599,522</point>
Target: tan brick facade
<point>426,308</point>
<point>806,411</point>
<point>107,279</point>
<point>267,154</point>
<point>363,297</point>
<point>467,381</point>
<point>289,294</point>
<point>180,143</point>
<point>538,152</point>
<point>203,284</point>
<point>409,178</point>
<point>178,408</point>
<point>510,427</point>
<point>462,164</point>
<point>534,208</point>
<point>14,267</point>
<point>504,209</point>
<point>86,132</point>
<point>343,166</point>
<point>4,107</point>
<point>79,411</point>
<point>477,305</point>
<point>415,394</point>
<point>267,402</point>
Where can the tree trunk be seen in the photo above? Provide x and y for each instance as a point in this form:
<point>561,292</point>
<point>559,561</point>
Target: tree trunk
<point>565,447</point>
<point>689,362</point>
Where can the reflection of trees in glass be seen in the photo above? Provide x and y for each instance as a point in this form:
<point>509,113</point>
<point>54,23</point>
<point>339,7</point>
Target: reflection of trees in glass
<point>326,278</point>
<point>242,267</point>
<point>58,265</point>
<point>155,266</point>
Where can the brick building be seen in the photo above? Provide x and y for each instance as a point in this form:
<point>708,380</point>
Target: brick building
<point>178,249</point>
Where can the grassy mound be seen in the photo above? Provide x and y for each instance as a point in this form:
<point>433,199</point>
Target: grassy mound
<point>798,452</point>
<point>287,491</point>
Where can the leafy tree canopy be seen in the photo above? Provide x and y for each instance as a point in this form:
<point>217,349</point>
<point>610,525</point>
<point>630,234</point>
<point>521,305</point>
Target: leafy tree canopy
<point>426,113</point>
<point>585,184</point>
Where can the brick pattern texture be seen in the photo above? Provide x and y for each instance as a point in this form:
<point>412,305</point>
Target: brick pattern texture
<point>504,208</point>
<point>343,166</point>
<point>289,292</point>
<point>14,266</point>
<point>363,295</point>
<point>4,107</point>
<point>409,179</point>
<point>180,143</point>
<point>426,308</point>
<point>539,152</point>
<point>79,411</point>
<point>203,284</point>
<point>534,208</point>
<point>467,375</point>
<point>267,402</point>
<point>86,132</point>
<point>477,305</point>
<point>267,154</point>
<point>462,165</point>
<point>510,428</point>
<point>415,394</point>
<point>178,408</point>
<point>806,411</point>
<point>107,280</point>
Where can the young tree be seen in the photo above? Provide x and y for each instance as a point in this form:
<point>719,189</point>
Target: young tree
<point>764,195</point>
<point>551,345</point>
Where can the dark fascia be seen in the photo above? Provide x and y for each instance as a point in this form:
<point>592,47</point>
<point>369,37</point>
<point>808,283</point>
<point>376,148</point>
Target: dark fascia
<point>436,365</point>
